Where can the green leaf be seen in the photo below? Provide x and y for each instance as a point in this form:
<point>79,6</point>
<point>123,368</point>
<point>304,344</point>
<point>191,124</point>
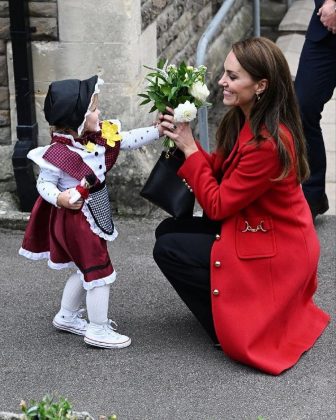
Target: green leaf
<point>161,63</point>
<point>146,101</point>
<point>160,106</point>
<point>143,95</point>
<point>166,90</point>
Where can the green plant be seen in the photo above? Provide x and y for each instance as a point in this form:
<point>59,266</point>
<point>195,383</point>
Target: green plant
<point>179,87</point>
<point>171,85</point>
<point>47,409</point>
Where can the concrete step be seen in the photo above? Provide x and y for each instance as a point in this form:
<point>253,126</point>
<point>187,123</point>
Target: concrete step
<point>297,17</point>
<point>291,45</point>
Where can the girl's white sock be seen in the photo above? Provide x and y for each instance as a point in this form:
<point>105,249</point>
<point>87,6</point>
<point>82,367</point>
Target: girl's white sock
<point>97,300</point>
<point>73,295</point>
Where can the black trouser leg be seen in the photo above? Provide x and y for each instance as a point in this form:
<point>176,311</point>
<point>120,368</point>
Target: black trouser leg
<point>314,84</point>
<point>182,252</point>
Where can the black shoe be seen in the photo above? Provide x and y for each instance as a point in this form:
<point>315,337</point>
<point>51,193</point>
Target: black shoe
<point>319,206</point>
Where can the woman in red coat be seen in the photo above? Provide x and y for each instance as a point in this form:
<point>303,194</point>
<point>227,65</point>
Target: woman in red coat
<point>247,268</point>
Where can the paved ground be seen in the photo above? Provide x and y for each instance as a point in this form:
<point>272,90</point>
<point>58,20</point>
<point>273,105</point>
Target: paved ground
<point>171,371</point>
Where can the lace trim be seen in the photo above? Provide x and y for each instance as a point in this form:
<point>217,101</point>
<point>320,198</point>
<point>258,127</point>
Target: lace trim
<point>88,112</point>
<point>97,283</point>
<point>95,229</point>
<point>34,255</point>
<point>60,266</point>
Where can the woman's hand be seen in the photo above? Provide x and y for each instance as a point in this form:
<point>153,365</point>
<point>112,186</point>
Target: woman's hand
<point>180,133</point>
<point>63,201</point>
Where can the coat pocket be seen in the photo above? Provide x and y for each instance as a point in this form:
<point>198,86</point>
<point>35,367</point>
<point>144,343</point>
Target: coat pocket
<point>255,237</point>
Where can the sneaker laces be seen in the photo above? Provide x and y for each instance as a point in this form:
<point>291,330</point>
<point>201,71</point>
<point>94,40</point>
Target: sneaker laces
<point>80,312</point>
<point>112,324</point>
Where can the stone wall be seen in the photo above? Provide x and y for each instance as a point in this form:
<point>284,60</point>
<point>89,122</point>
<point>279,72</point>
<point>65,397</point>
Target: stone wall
<point>68,42</point>
<point>43,21</point>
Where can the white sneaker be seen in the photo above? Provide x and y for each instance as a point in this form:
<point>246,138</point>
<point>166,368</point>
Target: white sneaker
<point>74,324</point>
<point>105,336</point>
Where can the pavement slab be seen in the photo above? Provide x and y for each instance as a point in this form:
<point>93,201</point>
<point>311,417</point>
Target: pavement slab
<point>171,370</point>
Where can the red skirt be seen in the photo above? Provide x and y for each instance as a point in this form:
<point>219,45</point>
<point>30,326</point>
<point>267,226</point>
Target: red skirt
<point>65,237</point>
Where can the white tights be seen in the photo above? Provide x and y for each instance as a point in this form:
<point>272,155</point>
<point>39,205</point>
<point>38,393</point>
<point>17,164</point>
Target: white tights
<point>73,294</point>
<point>97,299</point>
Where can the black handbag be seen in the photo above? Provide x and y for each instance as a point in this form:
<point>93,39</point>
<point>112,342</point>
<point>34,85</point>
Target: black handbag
<point>165,188</point>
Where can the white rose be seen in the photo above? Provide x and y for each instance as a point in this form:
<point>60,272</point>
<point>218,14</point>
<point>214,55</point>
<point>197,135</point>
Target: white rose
<point>185,112</point>
<point>199,91</point>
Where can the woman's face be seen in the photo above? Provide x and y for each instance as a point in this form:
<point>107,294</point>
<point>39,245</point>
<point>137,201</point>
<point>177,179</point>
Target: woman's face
<point>92,120</point>
<point>239,88</point>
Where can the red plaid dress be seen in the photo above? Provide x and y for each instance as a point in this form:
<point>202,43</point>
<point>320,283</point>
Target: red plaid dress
<point>65,237</point>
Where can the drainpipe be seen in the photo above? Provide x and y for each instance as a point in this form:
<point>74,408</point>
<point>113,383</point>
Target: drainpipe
<point>202,45</point>
<point>27,129</point>
<point>201,51</point>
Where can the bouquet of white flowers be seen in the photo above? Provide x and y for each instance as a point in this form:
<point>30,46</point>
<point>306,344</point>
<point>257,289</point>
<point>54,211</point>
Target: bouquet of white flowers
<point>180,87</point>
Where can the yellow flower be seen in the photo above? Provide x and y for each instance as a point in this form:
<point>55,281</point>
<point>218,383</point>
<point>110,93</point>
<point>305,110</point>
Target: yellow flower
<point>90,146</point>
<point>110,133</point>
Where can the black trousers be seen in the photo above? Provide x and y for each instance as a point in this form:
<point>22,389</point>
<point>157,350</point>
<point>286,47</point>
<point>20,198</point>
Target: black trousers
<point>314,84</point>
<point>182,252</point>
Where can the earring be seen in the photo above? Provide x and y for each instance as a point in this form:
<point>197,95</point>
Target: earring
<point>258,96</point>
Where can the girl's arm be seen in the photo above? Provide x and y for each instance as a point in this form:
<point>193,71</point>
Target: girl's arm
<point>134,139</point>
<point>47,187</point>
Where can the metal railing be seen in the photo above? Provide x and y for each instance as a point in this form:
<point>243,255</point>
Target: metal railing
<point>207,36</point>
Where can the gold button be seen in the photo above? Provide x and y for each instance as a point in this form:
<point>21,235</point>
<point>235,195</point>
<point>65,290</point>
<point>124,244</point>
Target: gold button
<point>190,189</point>
<point>218,237</point>
<point>184,180</point>
<point>217,264</point>
<point>215,292</point>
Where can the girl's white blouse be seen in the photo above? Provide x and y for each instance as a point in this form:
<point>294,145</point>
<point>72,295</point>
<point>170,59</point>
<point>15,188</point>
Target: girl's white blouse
<point>52,180</point>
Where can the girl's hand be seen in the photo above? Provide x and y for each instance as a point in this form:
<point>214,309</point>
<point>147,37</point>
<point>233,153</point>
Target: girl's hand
<point>63,201</point>
<point>180,133</point>
<point>158,125</point>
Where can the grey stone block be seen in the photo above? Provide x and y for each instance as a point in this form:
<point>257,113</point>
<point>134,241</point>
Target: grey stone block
<point>4,28</point>
<point>42,9</point>
<point>44,28</point>
<point>2,47</point>
<point>4,118</point>
<point>3,71</point>
<point>4,97</point>
<point>271,12</point>
<point>4,9</point>
<point>291,46</point>
<point>297,16</point>
<point>5,136</point>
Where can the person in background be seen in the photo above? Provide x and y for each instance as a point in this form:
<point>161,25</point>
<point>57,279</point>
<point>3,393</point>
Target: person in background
<point>71,221</point>
<point>247,269</point>
<point>314,84</point>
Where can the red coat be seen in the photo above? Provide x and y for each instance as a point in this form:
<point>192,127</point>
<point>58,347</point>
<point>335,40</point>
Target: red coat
<point>263,277</point>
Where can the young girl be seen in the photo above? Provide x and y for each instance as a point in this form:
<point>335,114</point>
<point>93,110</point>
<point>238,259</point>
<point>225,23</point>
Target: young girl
<point>71,220</point>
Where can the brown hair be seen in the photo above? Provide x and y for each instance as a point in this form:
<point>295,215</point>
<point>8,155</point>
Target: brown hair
<point>262,59</point>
